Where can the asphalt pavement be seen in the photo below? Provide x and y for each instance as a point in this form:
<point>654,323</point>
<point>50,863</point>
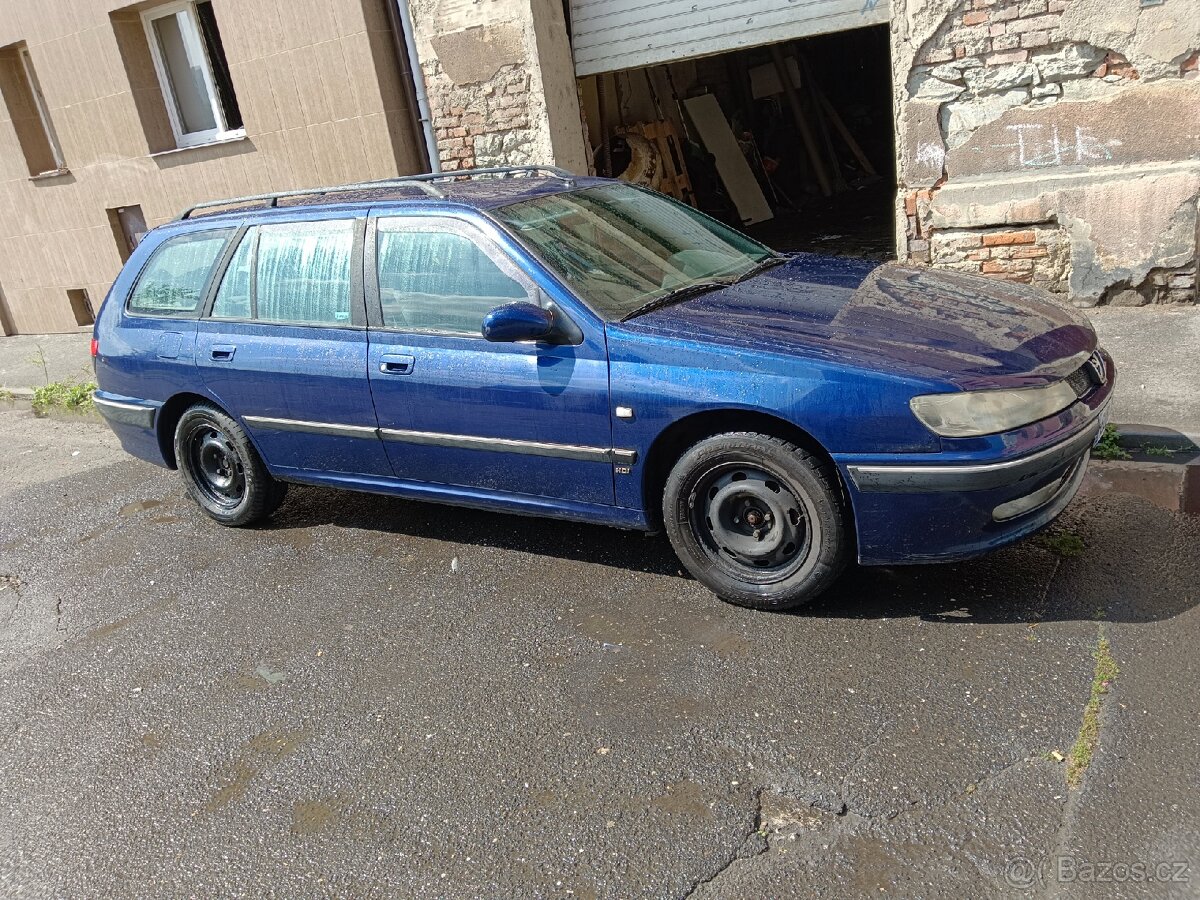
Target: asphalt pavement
<point>375,698</point>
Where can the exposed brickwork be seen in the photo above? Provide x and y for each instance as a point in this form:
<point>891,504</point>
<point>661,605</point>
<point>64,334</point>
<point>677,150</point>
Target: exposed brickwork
<point>1038,256</point>
<point>987,28</point>
<point>480,124</point>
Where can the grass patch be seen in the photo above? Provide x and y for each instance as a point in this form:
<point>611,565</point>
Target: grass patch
<point>1157,451</point>
<point>7,396</point>
<point>72,396</point>
<point>1066,544</point>
<point>1080,756</point>
<point>1109,446</point>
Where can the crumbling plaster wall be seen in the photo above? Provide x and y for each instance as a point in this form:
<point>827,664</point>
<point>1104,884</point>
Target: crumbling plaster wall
<point>1052,141</point>
<point>501,82</point>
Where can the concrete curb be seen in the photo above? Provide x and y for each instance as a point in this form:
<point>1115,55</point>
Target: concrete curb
<point>1170,486</point>
<point>1139,437</point>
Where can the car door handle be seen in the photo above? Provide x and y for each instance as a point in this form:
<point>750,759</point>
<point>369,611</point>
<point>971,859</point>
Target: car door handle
<point>395,364</point>
<point>222,352</point>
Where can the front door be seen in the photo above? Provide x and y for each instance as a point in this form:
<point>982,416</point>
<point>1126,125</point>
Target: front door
<point>284,347</point>
<point>455,409</point>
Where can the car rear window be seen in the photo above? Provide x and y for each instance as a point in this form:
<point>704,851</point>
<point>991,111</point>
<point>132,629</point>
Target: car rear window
<point>172,284</point>
<point>292,273</point>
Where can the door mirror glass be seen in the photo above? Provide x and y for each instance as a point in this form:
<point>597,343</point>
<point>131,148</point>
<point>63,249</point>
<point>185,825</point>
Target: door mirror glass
<point>518,322</point>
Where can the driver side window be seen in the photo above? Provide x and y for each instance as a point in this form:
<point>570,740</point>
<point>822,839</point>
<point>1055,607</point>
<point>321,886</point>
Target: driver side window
<point>432,278</point>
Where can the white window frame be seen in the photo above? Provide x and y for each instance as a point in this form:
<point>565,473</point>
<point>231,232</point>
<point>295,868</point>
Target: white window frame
<point>39,101</point>
<point>189,28</point>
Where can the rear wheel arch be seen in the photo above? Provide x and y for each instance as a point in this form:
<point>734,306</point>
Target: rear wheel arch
<point>168,419</point>
<point>675,440</point>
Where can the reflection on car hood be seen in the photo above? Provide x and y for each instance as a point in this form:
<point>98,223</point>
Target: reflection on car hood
<point>972,331</point>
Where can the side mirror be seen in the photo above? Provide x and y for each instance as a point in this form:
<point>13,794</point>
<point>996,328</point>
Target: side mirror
<point>518,322</point>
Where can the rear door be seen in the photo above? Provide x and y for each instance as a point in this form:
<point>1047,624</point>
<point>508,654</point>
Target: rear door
<point>148,344</point>
<point>283,345</point>
<point>526,418</point>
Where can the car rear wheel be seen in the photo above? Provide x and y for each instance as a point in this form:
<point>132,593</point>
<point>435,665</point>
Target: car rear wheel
<point>223,472</point>
<point>757,520</point>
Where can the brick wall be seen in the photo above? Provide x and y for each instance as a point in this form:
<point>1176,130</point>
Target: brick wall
<point>1000,99</point>
<point>481,124</point>
<point>1038,256</point>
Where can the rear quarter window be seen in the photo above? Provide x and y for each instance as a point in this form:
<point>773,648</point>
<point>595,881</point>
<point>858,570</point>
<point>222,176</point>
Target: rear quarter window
<point>173,282</point>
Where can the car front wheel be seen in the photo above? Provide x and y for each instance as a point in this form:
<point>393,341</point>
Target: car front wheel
<point>222,470</point>
<point>756,519</point>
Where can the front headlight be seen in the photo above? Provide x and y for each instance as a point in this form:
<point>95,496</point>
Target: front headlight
<point>975,413</point>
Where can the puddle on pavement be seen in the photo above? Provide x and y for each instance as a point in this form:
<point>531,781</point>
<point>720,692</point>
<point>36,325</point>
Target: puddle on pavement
<point>615,634</point>
<point>101,633</point>
<point>310,816</point>
<point>684,798</point>
<point>256,755</point>
<point>132,509</point>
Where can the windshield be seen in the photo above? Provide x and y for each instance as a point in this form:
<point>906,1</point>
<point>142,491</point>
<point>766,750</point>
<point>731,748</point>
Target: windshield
<point>621,248</point>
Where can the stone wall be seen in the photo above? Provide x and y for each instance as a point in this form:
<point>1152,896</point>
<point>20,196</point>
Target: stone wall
<point>1072,124</point>
<point>501,83</point>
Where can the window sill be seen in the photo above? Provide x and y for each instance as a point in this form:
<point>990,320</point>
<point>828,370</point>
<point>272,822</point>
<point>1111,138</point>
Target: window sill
<point>233,137</point>
<point>53,173</point>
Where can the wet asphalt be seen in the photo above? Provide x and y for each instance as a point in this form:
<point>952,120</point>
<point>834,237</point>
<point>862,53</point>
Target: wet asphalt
<point>370,697</point>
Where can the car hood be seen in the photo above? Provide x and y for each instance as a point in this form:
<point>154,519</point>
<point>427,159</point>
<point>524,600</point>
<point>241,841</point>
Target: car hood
<point>971,331</point>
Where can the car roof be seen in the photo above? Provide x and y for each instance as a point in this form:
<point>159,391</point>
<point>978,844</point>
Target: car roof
<point>475,189</point>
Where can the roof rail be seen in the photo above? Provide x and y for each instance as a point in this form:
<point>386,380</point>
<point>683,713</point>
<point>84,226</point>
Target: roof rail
<point>424,183</point>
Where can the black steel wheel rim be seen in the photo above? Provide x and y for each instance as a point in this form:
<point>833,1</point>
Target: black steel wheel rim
<point>753,523</point>
<point>216,466</point>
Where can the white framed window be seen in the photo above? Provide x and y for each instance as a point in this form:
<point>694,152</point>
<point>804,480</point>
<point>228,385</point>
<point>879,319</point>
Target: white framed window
<point>193,72</point>
<point>43,111</point>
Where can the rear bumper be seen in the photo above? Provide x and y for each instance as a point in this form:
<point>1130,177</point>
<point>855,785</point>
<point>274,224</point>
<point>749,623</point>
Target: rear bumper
<point>125,411</point>
<point>134,421</point>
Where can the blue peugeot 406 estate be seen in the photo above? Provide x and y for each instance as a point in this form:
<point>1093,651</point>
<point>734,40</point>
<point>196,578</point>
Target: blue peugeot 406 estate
<point>528,341</point>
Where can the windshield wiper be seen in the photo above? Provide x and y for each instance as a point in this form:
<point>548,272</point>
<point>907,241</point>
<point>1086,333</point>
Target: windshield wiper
<point>769,263</point>
<point>675,296</point>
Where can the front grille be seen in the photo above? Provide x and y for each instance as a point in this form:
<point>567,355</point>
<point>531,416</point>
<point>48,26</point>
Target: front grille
<point>1089,376</point>
<point>1080,381</point>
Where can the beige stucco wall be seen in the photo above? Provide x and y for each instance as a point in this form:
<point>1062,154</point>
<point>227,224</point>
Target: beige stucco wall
<point>319,90</point>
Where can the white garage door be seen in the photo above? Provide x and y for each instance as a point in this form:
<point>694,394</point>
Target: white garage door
<point>621,34</point>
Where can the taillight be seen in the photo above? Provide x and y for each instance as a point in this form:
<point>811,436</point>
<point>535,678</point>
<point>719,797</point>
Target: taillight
<point>95,348</point>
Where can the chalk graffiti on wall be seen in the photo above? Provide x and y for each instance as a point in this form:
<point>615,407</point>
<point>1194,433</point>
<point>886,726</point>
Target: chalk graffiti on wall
<point>931,155</point>
<point>1042,146</point>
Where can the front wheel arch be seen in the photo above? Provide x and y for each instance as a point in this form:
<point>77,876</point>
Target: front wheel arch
<point>678,437</point>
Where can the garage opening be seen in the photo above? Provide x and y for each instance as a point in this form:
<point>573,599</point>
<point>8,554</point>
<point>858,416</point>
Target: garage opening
<point>792,142</point>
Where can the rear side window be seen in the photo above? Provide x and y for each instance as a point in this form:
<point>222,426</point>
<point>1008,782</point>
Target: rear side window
<point>296,273</point>
<point>432,279</point>
<point>172,284</point>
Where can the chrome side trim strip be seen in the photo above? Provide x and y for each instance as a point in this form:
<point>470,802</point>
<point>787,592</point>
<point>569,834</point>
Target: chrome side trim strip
<point>136,414</point>
<point>531,448</point>
<point>922,479</point>
<point>460,441</point>
<point>351,431</point>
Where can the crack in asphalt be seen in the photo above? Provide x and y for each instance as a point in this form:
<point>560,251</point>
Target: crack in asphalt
<point>1052,888</point>
<point>752,844</point>
<point>843,789</point>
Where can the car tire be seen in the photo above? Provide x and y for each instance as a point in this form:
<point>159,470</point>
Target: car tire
<point>757,520</point>
<point>222,471</point>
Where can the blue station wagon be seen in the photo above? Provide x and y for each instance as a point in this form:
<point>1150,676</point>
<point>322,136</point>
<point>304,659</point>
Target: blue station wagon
<point>533,342</point>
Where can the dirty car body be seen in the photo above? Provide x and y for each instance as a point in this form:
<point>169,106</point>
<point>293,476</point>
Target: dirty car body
<point>599,335</point>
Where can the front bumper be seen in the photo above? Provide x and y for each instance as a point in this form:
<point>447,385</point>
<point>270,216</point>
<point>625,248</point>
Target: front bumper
<point>944,511</point>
